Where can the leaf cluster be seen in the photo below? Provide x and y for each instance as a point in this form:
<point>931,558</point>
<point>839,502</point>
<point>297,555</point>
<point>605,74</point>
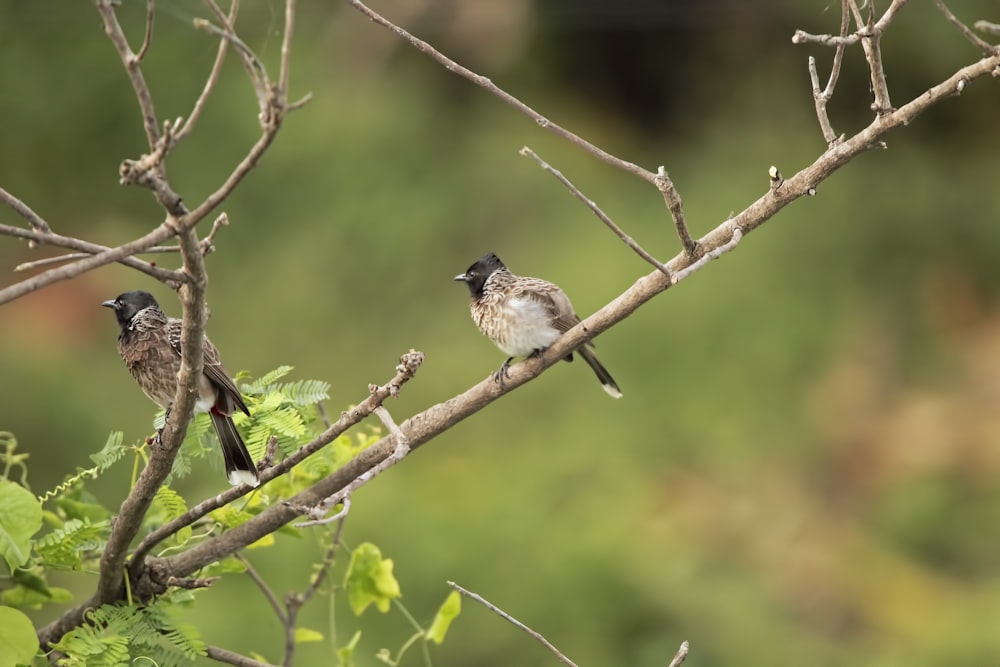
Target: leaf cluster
<point>66,530</point>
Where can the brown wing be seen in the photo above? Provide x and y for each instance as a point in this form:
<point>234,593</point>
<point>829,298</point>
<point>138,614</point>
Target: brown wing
<point>212,367</point>
<point>553,299</point>
<point>221,379</point>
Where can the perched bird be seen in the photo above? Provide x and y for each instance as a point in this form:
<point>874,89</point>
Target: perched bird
<point>150,346</point>
<point>524,316</point>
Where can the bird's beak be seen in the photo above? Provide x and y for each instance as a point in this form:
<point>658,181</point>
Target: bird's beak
<point>463,277</point>
<point>110,304</point>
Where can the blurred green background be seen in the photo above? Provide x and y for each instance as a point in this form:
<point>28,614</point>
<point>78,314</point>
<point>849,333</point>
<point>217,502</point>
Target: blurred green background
<point>805,468</point>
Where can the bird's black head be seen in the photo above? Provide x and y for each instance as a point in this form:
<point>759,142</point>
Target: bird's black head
<point>475,277</point>
<point>128,304</point>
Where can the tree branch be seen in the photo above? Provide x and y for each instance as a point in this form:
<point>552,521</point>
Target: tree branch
<point>181,133</point>
<point>295,601</point>
<point>113,29</point>
<point>409,363</point>
<point>401,447</point>
<point>37,223</point>
<point>966,31</point>
<point>231,658</point>
<point>172,278</point>
<point>507,98</point>
<point>516,623</point>
<point>601,215</point>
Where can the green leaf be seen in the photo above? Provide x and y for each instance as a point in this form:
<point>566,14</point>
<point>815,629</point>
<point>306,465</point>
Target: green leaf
<point>303,635</point>
<point>345,653</point>
<point>167,506</point>
<point>123,634</point>
<point>442,620</point>
<point>18,642</point>
<point>31,591</point>
<point>261,384</point>
<point>369,580</point>
<point>306,392</point>
<point>66,546</point>
<point>20,519</point>
<point>110,453</point>
<point>27,598</point>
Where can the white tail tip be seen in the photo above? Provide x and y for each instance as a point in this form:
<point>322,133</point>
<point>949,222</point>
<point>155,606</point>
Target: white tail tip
<point>612,391</point>
<point>237,477</point>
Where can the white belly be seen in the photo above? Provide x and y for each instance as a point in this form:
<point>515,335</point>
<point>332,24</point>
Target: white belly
<point>529,328</point>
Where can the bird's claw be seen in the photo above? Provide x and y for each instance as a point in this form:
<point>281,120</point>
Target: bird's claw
<point>503,373</point>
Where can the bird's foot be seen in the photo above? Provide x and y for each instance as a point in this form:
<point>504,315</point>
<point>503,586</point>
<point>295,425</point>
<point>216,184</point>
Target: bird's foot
<point>503,373</point>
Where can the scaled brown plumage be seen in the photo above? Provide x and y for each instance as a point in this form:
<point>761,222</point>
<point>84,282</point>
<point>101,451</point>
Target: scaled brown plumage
<point>150,346</point>
<point>524,316</point>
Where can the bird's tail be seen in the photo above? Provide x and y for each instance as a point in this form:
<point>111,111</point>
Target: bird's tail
<point>607,382</point>
<point>240,467</point>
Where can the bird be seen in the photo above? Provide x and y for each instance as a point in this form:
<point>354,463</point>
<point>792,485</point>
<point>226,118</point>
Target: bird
<point>524,316</point>
<point>150,346</point>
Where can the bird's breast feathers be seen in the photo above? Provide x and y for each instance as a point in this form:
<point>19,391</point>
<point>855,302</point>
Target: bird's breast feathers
<point>518,325</point>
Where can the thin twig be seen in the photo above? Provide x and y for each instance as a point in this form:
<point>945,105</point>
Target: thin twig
<point>172,278</point>
<point>715,253</point>
<point>325,418</point>
<point>601,215</point>
<point>113,29</point>
<point>819,100</point>
<point>409,363</point>
<point>838,54</point>
<point>251,63</point>
<point>402,448</point>
<point>272,599</point>
<point>506,97</point>
<point>973,38</point>
<point>232,658</point>
<point>284,70</point>
<point>208,243</point>
<point>295,601</point>
<point>148,38</point>
<point>869,33</point>
<point>821,97</point>
<point>213,77</point>
<point>987,27</point>
<point>118,254</point>
<point>510,619</point>
<point>672,199</point>
<point>681,654</point>
<point>871,43</point>
<point>803,37</point>
<point>36,221</point>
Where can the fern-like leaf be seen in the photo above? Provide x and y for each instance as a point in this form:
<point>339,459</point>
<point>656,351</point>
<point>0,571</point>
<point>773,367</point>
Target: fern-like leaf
<point>261,384</point>
<point>122,634</point>
<point>306,392</point>
<point>168,505</point>
<point>67,547</point>
<point>111,453</point>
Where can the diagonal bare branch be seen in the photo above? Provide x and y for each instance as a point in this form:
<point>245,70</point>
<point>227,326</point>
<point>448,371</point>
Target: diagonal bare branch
<point>113,29</point>
<point>36,221</point>
<point>173,278</point>
<point>534,634</point>
<point>506,97</point>
<point>966,31</point>
<point>148,38</point>
<point>601,215</point>
<point>180,133</point>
